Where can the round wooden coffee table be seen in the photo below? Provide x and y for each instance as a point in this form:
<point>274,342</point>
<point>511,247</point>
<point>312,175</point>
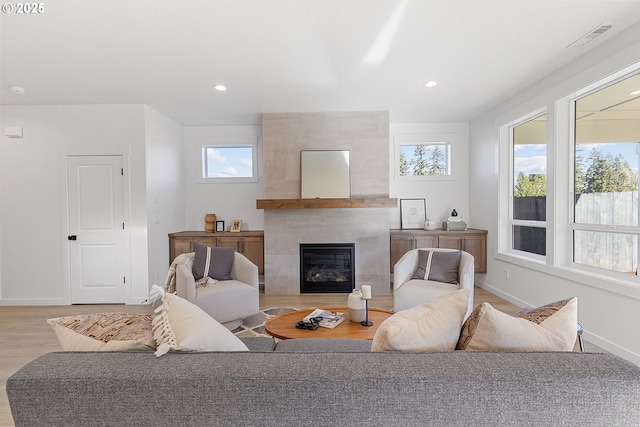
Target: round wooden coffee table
<point>283,326</point>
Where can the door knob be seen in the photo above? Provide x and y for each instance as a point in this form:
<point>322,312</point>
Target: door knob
<point>73,237</point>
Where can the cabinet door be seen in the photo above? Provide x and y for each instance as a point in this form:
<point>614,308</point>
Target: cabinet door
<point>476,246</point>
<point>179,245</point>
<point>450,242</point>
<point>400,245</point>
<point>230,242</point>
<point>253,248</point>
<point>425,241</point>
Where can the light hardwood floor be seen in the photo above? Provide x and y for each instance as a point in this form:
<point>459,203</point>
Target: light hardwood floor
<point>25,334</point>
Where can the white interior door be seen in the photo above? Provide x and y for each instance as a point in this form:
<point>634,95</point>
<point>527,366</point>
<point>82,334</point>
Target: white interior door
<point>97,269</point>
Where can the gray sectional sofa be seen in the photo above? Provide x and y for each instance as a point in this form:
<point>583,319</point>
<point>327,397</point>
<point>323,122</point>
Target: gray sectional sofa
<point>309,382</point>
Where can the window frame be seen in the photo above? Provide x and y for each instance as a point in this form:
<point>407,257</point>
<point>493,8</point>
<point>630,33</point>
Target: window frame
<point>506,196</point>
<point>574,226</point>
<point>422,139</point>
<point>248,141</point>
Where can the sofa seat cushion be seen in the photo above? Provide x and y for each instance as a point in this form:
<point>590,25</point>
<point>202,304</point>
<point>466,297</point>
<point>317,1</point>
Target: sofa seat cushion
<point>416,289</point>
<point>489,329</point>
<point>104,332</point>
<point>328,345</point>
<point>433,326</point>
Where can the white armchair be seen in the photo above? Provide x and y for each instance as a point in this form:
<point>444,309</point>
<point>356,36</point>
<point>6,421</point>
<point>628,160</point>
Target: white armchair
<point>228,301</point>
<point>409,292</point>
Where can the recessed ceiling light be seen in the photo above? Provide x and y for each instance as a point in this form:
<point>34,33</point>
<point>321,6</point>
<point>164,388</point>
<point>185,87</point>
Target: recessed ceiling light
<point>18,90</point>
<point>635,92</point>
<point>220,88</point>
<point>431,83</point>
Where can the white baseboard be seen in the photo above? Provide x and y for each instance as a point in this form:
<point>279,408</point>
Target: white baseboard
<point>31,301</point>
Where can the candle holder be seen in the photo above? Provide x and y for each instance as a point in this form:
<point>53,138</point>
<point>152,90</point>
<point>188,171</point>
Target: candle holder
<point>366,296</point>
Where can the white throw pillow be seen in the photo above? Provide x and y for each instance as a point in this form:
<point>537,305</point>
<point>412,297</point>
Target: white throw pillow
<point>434,326</point>
<point>180,325</point>
<point>490,329</point>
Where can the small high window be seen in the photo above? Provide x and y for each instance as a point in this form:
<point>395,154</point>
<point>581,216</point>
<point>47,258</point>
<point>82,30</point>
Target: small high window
<point>229,162</point>
<point>428,159</point>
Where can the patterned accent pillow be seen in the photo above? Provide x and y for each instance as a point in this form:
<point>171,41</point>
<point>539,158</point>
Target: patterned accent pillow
<point>440,266</point>
<point>540,314</point>
<point>550,328</point>
<point>213,262</point>
<point>104,332</point>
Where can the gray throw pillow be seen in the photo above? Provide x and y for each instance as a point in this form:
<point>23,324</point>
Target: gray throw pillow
<point>213,262</point>
<point>438,265</point>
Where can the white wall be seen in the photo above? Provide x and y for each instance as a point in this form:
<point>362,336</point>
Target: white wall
<point>442,194</point>
<point>165,189</point>
<point>227,201</point>
<point>32,237</point>
<point>608,311</point>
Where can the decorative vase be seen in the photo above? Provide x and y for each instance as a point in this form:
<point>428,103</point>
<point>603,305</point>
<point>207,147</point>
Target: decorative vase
<point>430,224</point>
<point>356,306</point>
<point>210,223</point>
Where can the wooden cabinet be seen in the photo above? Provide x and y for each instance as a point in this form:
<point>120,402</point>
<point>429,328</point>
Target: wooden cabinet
<point>248,243</point>
<point>471,240</point>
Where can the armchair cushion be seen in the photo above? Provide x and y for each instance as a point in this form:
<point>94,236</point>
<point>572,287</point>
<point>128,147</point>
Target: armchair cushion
<point>438,266</point>
<point>214,262</point>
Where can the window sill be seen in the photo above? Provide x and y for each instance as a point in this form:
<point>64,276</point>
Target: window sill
<point>629,288</point>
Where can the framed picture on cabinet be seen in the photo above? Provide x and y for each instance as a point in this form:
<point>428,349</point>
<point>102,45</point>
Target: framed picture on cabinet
<point>219,225</point>
<point>413,213</point>
<point>236,225</point>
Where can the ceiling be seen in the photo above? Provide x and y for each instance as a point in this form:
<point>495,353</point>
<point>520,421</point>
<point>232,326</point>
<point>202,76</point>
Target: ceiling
<point>295,55</point>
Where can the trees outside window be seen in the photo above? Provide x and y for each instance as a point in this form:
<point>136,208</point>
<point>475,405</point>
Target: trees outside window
<point>529,189</point>
<point>605,217</point>
<point>424,159</point>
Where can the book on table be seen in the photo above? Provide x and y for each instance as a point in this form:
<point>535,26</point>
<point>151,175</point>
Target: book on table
<point>330,319</point>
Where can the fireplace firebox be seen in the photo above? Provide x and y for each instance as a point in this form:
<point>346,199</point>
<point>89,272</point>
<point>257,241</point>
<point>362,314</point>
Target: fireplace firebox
<point>327,267</point>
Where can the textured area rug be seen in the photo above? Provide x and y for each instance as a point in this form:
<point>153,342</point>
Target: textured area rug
<point>253,326</point>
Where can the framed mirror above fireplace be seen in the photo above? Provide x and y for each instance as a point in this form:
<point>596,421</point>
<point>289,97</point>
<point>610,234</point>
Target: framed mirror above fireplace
<point>325,174</point>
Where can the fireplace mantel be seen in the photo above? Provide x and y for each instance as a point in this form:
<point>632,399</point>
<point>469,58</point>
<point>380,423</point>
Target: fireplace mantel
<point>351,202</point>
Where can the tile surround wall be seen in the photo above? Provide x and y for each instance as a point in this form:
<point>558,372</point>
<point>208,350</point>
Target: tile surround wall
<point>366,135</point>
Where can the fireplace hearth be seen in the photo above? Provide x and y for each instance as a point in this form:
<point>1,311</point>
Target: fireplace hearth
<point>327,267</point>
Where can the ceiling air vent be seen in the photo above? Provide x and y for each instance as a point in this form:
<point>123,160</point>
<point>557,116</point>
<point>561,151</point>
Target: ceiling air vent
<point>596,32</point>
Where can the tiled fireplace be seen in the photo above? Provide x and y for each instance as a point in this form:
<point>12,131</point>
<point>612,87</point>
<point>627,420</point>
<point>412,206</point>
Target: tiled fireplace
<point>366,135</point>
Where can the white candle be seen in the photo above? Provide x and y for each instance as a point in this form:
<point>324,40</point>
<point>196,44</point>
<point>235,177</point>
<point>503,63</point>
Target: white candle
<point>366,291</point>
